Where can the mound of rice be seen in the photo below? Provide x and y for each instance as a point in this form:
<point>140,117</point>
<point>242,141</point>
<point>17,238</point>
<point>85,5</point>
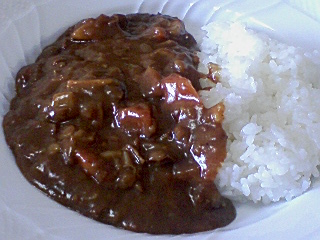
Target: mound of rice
<point>272,96</point>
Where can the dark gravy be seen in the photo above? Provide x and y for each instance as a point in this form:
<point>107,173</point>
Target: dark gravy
<point>108,122</point>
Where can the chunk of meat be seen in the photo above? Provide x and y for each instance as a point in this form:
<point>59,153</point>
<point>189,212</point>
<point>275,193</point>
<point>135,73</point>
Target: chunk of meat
<point>136,119</point>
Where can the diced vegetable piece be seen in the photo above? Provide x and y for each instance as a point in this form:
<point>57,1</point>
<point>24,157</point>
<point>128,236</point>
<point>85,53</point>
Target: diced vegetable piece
<point>85,31</point>
<point>180,66</point>
<point>214,114</point>
<point>83,136</point>
<point>181,134</point>
<point>96,29</point>
<point>93,166</point>
<point>179,92</point>
<point>63,107</point>
<point>67,149</point>
<point>64,99</point>
<point>126,158</point>
<point>53,148</point>
<point>135,153</point>
<point>66,132</point>
<point>88,161</point>
<point>162,56</point>
<point>156,33</point>
<point>109,155</point>
<point>149,83</point>
<point>214,72</point>
<point>136,119</point>
<point>157,154</point>
<point>126,178</point>
<point>176,28</point>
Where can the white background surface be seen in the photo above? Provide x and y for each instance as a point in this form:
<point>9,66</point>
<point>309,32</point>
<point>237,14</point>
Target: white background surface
<point>26,26</point>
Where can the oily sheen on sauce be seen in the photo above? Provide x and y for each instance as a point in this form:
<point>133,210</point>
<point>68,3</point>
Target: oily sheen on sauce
<point>108,122</point>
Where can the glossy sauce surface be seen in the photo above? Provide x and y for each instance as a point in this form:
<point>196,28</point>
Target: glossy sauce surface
<point>108,122</point>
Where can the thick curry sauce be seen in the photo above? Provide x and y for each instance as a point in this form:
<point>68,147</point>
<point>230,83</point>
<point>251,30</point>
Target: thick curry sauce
<point>108,122</point>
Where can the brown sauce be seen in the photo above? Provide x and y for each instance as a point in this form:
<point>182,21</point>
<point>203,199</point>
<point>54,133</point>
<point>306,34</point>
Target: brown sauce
<point>108,122</point>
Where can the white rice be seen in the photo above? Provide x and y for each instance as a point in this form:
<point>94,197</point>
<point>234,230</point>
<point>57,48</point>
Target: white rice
<point>272,96</point>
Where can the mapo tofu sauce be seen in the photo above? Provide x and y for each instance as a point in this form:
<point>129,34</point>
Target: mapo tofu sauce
<point>108,122</point>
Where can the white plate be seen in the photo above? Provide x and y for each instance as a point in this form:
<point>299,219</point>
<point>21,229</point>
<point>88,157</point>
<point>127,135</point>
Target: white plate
<point>26,26</point>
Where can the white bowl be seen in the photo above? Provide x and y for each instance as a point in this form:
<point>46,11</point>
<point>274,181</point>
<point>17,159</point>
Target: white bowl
<point>26,26</point>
